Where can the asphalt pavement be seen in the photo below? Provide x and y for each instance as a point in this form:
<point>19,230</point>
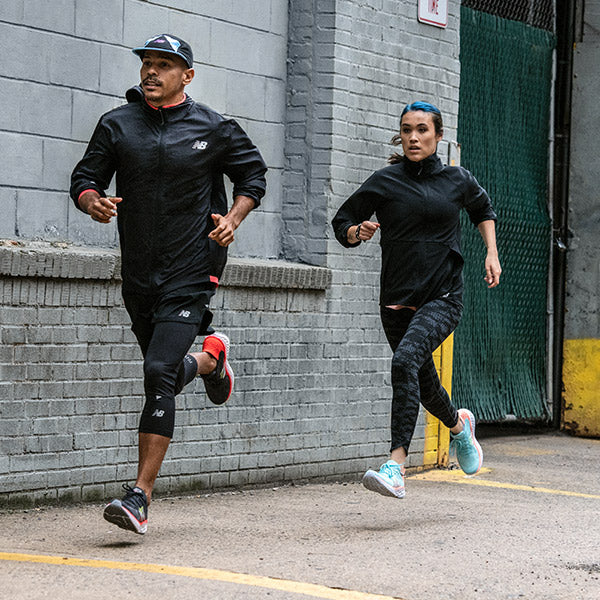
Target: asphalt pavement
<point>527,526</point>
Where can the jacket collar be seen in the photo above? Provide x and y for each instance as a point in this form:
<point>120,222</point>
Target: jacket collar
<point>172,111</point>
<point>423,168</point>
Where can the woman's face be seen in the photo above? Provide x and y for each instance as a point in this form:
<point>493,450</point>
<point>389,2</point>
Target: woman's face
<point>418,136</point>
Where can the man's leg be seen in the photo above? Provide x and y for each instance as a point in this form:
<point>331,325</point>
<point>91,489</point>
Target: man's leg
<point>164,346</point>
<point>163,363</point>
<point>153,447</point>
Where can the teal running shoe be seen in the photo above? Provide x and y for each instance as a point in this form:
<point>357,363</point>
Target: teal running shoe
<point>468,451</point>
<point>388,481</point>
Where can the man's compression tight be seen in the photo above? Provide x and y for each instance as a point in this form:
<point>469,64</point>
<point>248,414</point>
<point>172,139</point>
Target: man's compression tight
<point>167,369</point>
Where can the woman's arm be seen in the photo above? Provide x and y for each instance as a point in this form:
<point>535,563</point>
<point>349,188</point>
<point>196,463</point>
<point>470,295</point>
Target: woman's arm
<point>357,209</point>
<point>487,229</point>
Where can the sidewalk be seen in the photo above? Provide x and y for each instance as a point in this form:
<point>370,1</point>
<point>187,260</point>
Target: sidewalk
<point>527,527</point>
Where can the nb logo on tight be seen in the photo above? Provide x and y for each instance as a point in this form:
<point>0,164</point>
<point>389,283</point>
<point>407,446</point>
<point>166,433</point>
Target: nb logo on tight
<point>158,413</point>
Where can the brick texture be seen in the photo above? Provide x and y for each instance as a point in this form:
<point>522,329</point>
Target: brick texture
<point>324,82</point>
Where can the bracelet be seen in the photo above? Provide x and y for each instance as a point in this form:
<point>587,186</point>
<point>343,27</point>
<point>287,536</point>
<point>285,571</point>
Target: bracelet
<point>357,232</point>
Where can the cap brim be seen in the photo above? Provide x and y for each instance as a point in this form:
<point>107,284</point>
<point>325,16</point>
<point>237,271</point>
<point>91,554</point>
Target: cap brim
<point>140,52</point>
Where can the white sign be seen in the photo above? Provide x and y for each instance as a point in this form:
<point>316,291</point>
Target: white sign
<point>434,12</point>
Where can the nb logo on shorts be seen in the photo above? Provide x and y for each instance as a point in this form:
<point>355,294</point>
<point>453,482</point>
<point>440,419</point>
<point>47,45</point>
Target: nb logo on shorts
<point>158,413</point>
<point>184,313</point>
<point>198,145</point>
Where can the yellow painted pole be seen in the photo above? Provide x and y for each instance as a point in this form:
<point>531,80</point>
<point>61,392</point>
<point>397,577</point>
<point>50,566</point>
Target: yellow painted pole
<point>437,436</point>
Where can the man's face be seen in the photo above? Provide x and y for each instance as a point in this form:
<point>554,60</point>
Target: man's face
<point>164,76</point>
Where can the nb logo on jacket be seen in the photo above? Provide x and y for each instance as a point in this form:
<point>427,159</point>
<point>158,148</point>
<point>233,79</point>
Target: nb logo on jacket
<point>198,145</point>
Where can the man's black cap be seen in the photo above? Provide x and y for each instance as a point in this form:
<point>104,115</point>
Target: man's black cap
<point>170,44</point>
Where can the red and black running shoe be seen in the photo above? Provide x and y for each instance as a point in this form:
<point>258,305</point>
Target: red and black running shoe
<point>131,512</point>
<point>219,383</point>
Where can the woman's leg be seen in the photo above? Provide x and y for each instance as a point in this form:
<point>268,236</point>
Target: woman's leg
<point>404,409</point>
<point>425,331</point>
<point>434,397</point>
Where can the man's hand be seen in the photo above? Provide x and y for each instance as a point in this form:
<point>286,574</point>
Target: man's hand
<point>223,231</point>
<point>226,225</point>
<point>99,208</point>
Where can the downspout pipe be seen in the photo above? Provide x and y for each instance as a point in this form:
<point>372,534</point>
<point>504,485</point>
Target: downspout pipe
<point>566,11</point>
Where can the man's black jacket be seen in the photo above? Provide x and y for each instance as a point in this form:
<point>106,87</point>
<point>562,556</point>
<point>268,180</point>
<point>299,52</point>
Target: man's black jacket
<point>417,205</point>
<point>169,166</point>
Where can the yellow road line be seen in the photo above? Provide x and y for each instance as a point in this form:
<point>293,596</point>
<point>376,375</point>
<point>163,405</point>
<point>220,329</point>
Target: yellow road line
<point>285,585</point>
<point>456,476</point>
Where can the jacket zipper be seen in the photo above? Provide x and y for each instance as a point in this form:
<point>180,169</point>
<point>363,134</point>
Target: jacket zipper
<point>159,194</point>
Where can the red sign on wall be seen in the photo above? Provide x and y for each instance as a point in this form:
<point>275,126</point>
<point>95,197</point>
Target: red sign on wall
<point>433,12</point>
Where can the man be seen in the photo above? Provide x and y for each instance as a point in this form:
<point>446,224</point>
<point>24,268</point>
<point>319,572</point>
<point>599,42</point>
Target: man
<point>169,154</point>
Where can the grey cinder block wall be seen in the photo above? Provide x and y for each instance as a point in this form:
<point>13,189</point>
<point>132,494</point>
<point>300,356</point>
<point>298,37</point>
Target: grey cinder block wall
<point>319,85</point>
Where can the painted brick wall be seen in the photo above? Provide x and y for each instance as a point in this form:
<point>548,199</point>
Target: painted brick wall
<point>72,62</point>
<point>71,393</point>
<point>353,66</point>
<point>312,393</point>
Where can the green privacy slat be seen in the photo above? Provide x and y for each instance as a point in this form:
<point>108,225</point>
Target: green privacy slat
<point>503,129</point>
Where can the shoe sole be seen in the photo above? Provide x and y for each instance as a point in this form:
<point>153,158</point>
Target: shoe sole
<point>118,515</point>
<point>374,483</point>
<point>466,415</point>
<point>229,372</point>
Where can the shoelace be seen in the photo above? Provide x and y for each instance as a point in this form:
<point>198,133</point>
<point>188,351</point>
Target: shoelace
<point>462,443</point>
<point>219,373</point>
<point>391,471</point>
<point>134,497</point>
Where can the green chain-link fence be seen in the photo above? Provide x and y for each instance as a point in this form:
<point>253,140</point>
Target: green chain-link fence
<point>503,128</point>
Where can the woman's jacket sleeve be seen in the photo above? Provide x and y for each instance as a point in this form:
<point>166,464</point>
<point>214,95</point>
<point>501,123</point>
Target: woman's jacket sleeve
<point>476,201</point>
<point>358,208</point>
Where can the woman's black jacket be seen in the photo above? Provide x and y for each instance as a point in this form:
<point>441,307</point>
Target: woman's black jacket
<point>417,205</point>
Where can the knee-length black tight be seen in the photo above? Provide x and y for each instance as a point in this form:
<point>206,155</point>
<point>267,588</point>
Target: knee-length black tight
<point>167,369</point>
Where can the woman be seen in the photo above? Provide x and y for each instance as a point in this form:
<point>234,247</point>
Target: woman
<point>417,201</point>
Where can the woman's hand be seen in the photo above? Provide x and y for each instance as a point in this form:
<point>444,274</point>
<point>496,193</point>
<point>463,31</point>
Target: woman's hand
<point>492,270</point>
<point>362,232</point>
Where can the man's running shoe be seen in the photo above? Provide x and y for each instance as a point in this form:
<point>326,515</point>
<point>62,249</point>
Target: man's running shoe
<point>388,481</point>
<point>468,451</point>
<point>131,512</point>
<point>219,383</point>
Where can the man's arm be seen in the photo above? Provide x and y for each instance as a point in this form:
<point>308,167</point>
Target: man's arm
<point>226,225</point>
<point>243,164</point>
<point>93,173</point>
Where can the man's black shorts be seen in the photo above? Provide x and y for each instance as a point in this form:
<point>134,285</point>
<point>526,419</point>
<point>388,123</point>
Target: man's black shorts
<point>185,305</point>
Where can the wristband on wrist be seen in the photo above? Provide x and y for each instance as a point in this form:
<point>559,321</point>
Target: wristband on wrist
<point>357,232</point>
<point>85,192</point>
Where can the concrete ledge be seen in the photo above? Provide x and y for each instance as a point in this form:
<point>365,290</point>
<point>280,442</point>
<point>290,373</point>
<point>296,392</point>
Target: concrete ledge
<point>260,273</point>
<point>58,260</point>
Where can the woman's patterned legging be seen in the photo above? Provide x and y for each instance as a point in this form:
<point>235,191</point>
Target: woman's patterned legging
<point>413,336</point>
